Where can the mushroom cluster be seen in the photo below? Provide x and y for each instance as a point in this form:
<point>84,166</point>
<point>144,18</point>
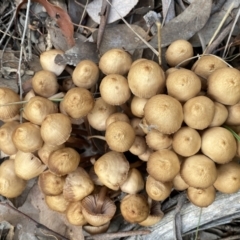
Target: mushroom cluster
<point>170,124</point>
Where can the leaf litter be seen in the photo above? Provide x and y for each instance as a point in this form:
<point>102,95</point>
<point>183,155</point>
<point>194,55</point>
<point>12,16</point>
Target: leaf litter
<point>74,30</point>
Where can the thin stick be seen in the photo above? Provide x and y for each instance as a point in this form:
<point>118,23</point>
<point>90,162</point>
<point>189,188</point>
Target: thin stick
<point>199,219</point>
<point>143,40</point>
<point>220,25</point>
<point>159,27</point>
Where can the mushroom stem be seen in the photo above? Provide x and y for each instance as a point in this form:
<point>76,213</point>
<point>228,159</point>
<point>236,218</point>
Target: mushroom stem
<point>57,96</point>
<point>159,26</point>
<point>101,198</point>
<point>136,164</point>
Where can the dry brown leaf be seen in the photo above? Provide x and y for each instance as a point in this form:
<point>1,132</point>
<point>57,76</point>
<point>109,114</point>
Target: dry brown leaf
<point>185,25</point>
<point>123,8</point>
<point>62,18</point>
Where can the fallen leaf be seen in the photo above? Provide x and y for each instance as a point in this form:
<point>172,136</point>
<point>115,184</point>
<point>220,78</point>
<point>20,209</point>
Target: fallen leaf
<point>208,30</point>
<point>123,8</point>
<point>185,25</point>
<point>62,18</point>
<point>120,36</point>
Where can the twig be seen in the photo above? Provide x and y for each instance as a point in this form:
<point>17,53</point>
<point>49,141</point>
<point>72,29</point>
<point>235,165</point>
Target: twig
<point>108,236</point>
<point>177,218</point>
<point>231,238</point>
<point>219,26</point>
<point>219,39</point>
<point>85,9</point>
<point>199,219</point>
<point>159,26</point>
<point>38,225</point>
<point>105,10</point>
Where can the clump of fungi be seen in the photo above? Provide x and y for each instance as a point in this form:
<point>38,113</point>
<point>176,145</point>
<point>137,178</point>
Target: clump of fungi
<point>79,145</point>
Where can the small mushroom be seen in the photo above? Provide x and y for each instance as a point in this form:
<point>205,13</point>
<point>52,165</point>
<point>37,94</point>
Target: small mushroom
<point>179,184</point>
<point>50,184</point>
<point>137,106</point>
<point>77,185</point>
<point>63,161</point>
<point>134,208</point>
<point>179,51</point>
<point>139,146</point>
<point>157,190</point>
<point>114,89</point>
<point>45,83</point>
<point>198,112</point>
<point>118,116</point>
<point>201,197</point>
<point>220,115</point>
<point>77,102</point>
<point>233,117</point>
<point>120,136</point>
<point>96,229</point>
<point>7,96</point>
<point>115,61</point>
<point>27,165</point>
<point>168,108</point>
<point>11,185</point>
<point>99,114</point>
<point>183,84</point>
<point>27,137</point>
<point>38,108</point>
<point>186,141</point>
<point>85,74</point>
<point>112,169</point>
<point>224,86</point>
<point>6,143</point>
<point>163,165</point>
<point>134,182</point>
<point>146,79</point>
<point>228,179</point>
<point>57,203</point>
<point>56,129</point>
<point>74,214</point>
<point>198,171</point>
<point>47,61</point>
<point>219,144</point>
<point>98,209</point>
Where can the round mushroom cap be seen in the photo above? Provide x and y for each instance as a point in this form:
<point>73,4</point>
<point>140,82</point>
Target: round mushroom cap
<point>157,140</point>
<point>146,78</point>
<point>224,86</point>
<point>186,141</point>
<point>183,84</point>
<point>228,180</point>
<point>179,51</point>
<point>207,64</point>
<point>94,216</point>
<point>45,83</point>
<point>157,190</point>
<point>198,112</point>
<point>112,169</point>
<point>220,115</point>
<point>179,184</point>
<point>77,102</point>
<point>137,106</point>
<point>134,208</point>
<point>198,171</point>
<point>114,89</point>
<point>115,61</point>
<point>219,144</point>
<point>74,214</point>
<point>163,165</point>
<point>164,113</point>
<point>47,59</point>
<point>98,116</point>
<point>7,95</point>
<point>233,117</point>
<point>201,197</point>
<point>120,136</point>
<point>85,74</point>
<point>57,203</point>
